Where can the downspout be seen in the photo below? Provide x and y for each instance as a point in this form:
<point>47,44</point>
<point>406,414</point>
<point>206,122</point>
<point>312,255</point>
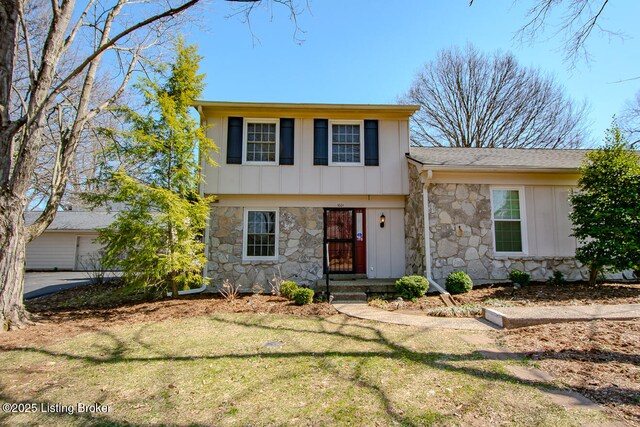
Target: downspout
<point>206,230</point>
<point>427,238</point>
<point>203,122</point>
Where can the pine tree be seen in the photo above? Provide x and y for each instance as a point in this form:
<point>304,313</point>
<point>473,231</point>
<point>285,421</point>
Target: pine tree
<point>153,171</point>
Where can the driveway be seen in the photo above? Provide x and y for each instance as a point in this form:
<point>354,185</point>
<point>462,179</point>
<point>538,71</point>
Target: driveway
<point>45,283</point>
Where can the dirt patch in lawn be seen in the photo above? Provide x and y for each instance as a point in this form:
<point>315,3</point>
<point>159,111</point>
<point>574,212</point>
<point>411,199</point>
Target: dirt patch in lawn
<point>600,359</point>
<point>86,309</point>
<point>534,294</point>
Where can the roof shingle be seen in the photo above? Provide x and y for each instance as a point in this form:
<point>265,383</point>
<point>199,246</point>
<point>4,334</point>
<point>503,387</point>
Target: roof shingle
<point>498,158</point>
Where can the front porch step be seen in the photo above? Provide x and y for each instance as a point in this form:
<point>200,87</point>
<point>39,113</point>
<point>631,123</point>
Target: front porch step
<point>349,297</point>
<point>343,277</point>
<point>369,288</point>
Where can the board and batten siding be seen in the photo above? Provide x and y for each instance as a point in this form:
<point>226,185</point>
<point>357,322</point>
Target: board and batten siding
<point>549,227</point>
<point>385,246</point>
<point>303,177</point>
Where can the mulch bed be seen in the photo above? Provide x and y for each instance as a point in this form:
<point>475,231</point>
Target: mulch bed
<point>600,359</point>
<point>534,294</point>
<point>55,319</point>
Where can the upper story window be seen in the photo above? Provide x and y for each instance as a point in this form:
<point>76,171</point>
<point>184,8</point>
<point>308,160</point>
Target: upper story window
<point>261,141</point>
<point>508,219</point>
<point>346,143</point>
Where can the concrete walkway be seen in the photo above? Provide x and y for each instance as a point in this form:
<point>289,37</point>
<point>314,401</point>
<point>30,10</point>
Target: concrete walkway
<point>364,311</point>
<point>517,317</point>
<point>503,317</point>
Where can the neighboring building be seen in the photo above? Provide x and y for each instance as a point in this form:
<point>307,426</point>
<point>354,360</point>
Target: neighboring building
<point>492,210</point>
<point>69,241</point>
<point>292,177</point>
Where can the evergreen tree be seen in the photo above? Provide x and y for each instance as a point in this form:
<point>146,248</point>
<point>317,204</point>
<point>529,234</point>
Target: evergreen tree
<point>153,171</point>
<point>606,207</point>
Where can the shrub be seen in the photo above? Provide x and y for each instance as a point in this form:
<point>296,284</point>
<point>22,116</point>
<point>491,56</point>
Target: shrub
<point>458,282</point>
<point>288,289</point>
<point>303,296</point>
<point>412,287</point>
<point>229,290</point>
<point>464,310</point>
<point>605,210</point>
<point>520,277</point>
<point>378,303</point>
<point>556,279</point>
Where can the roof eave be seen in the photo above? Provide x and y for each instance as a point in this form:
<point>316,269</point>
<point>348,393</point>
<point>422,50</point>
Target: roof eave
<point>489,168</point>
<point>370,109</point>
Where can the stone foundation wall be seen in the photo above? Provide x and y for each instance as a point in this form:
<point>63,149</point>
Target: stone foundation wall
<point>414,224</point>
<point>299,248</point>
<point>462,239</point>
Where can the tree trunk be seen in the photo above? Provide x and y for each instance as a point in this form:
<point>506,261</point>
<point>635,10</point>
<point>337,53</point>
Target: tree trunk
<point>174,285</point>
<point>593,275</point>
<point>13,240</point>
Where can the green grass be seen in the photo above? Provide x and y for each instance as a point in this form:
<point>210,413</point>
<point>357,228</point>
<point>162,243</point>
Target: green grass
<point>216,370</point>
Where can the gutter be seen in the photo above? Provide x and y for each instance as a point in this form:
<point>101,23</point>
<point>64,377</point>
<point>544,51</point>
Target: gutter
<point>491,168</point>
<point>427,239</point>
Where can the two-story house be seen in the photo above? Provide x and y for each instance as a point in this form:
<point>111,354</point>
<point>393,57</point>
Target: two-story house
<point>297,183</point>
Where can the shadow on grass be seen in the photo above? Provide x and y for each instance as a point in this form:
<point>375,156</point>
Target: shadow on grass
<point>328,328</point>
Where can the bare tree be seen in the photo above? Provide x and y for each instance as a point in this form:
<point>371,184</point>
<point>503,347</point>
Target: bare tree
<point>630,121</point>
<point>50,73</point>
<point>470,99</point>
<point>576,22</point>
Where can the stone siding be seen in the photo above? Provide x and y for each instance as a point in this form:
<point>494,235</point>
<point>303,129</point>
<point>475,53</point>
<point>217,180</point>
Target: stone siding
<point>414,224</point>
<point>462,239</point>
<point>299,248</point>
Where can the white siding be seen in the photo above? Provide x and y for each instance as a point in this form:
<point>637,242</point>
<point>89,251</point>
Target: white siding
<point>548,225</point>
<point>87,248</point>
<point>60,251</point>
<point>385,246</point>
<point>391,177</point>
<point>52,250</point>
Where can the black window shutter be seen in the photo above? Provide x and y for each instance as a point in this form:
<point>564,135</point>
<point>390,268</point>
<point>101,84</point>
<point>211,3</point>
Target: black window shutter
<point>321,142</point>
<point>286,141</point>
<point>234,140</point>
<point>371,143</point>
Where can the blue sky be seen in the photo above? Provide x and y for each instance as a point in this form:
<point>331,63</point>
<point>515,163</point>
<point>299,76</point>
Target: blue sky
<point>369,51</point>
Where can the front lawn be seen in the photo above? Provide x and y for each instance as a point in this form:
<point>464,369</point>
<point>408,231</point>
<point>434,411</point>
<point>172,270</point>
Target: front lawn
<point>264,369</point>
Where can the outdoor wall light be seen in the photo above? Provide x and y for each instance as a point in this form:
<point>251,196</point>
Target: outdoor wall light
<point>382,220</point>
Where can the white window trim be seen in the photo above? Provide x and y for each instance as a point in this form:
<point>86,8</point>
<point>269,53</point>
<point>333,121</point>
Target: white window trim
<point>245,136</point>
<point>245,230</point>
<point>523,220</point>
<point>346,122</point>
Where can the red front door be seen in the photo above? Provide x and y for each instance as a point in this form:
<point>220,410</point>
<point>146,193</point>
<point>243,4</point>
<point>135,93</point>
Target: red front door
<point>344,232</point>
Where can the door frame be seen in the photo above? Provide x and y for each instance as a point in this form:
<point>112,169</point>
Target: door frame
<point>355,261</point>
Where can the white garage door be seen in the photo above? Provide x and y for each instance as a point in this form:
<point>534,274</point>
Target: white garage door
<point>87,258</point>
<point>51,251</point>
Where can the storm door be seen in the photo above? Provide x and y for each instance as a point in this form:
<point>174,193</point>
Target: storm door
<point>345,235</point>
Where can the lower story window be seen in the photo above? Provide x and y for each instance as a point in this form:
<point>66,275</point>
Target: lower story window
<point>261,234</point>
<point>507,220</point>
